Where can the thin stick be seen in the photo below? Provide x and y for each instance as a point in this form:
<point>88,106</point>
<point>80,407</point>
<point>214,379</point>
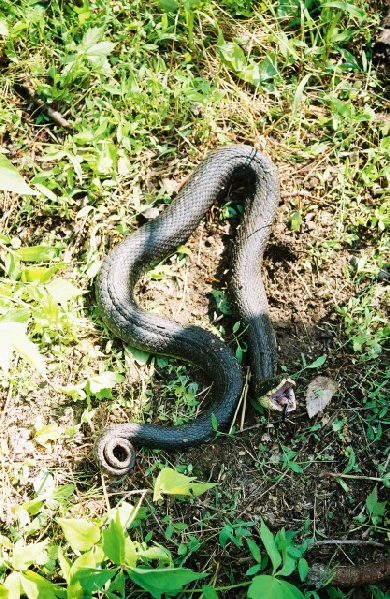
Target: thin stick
<point>54,115</point>
<point>241,400</point>
<point>346,542</point>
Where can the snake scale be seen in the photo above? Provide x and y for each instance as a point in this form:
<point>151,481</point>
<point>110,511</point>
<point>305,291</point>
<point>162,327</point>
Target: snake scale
<point>153,242</point>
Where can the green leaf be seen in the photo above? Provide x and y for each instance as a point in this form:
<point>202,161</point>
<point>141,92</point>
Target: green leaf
<point>295,221</point>
<point>24,556</point>
<point>269,587</point>
<point>65,565</point>
<point>299,94</point>
<point>106,380</point>
<point>100,49</point>
<point>80,534</point>
<point>233,55</point>
<point>214,422</point>
<point>13,586</point>
<point>92,579</point>
<point>13,338</point>
<point>39,274</point>
<point>37,587</point>
<point>140,357</point>
<point>10,180</point>
<point>209,592</point>
<point>174,483</point>
<point>319,362</point>
<point>270,546</point>
<point>375,507</point>
<point>303,568</point>
<point>62,290</point>
<point>49,432</point>
<point>4,594</point>
<point>353,10</point>
<point>37,253</point>
<point>295,467</point>
<point>168,5</point>
<point>114,541</point>
<point>254,549</point>
<point>167,580</point>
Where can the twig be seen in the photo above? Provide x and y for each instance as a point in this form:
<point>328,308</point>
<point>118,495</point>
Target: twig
<point>241,401</point>
<point>25,89</point>
<point>353,476</point>
<point>363,574</point>
<point>346,542</point>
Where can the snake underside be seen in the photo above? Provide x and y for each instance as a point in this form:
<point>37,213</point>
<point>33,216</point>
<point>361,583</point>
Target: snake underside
<point>127,262</point>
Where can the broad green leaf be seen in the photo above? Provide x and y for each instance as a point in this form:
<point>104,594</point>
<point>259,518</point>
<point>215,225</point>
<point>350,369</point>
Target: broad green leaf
<point>295,221</point>
<point>37,587</point>
<point>209,592</point>
<point>140,357</point>
<point>62,290</point>
<point>39,274</point>
<point>80,534</point>
<point>64,491</point>
<point>168,5</point>
<point>24,556</point>
<point>13,338</point>
<point>289,562</point>
<point>100,49</point>
<point>92,36</point>
<point>114,541</point>
<point>49,432</point>
<point>92,579</point>
<point>126,512</point>
<point>254,549</point>
<point>295,467</point>
<point>234,56</point>
<point>166,580</point>
<point>270,546</point>
<point>13,586</point>
<point>10,180</point>
<point>269,587</point>
<point>303,568</point>
<point>162,554</point>
<point>65,564</point>
<point>131,554</point>
<point>37,253</point>
<point>319,362</point>
<point>373,506</point>
<point>16,315</point>
<point>106,380</point>
<point>353,10</point>
<point>75,391</point>
<point>174,483</point>
<point>4,593</point>
<point>91,560</point>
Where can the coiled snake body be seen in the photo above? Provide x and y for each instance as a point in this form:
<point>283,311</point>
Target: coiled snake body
<point>126,263</point>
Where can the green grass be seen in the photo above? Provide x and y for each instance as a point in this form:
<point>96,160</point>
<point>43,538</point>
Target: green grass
<point>148,88</point>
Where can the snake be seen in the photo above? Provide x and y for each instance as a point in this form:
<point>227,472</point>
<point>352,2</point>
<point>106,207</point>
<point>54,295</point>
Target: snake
<point>255,173</point>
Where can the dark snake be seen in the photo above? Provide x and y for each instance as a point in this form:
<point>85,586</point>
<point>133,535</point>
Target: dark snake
<point>156,240</point>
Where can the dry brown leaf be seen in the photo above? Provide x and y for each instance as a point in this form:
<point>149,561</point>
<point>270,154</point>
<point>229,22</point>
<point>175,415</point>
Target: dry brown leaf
<point>171,185</point>
<point>319,394</point>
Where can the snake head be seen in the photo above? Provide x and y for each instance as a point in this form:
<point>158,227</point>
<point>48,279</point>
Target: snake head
<point>280,398</point>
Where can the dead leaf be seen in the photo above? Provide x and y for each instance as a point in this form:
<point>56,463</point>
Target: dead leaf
<point>171,185</point>
<point>319,394</point>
